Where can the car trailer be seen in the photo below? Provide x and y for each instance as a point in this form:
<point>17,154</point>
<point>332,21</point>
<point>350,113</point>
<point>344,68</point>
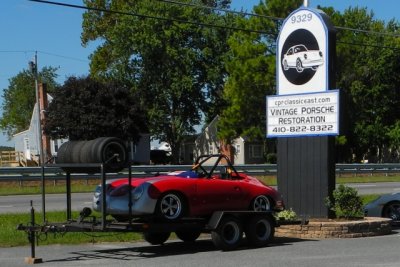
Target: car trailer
<point>226,227</point>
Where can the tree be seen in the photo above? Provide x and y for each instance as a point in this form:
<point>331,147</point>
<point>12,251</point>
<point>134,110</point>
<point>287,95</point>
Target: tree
<point>367,76</point>
<point>251,68</point>
<point>84,109</point>
<point>20,98</point>
<point>176,67</point>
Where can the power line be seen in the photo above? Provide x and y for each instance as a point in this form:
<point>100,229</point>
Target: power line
<point>369,45</point>
<point>212,25</point>
<point>61,56</point>
<point>45,53</point>
<point>368,31</point>
<point>152,17</point>
<point>221,10</point>
<point>273,18</point>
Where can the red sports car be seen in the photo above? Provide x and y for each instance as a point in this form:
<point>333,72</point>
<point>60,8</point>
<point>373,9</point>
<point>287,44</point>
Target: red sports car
<point>211,185</point>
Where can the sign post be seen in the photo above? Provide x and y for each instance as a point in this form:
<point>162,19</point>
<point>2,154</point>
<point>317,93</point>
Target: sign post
<point>304,114</point>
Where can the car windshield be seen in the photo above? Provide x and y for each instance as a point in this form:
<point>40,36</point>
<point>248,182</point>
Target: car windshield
<point>300,48</point>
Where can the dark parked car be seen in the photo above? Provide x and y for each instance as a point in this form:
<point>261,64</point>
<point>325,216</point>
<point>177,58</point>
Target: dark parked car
<point>387,205</point>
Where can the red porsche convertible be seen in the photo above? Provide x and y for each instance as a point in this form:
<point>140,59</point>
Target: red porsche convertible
<point>212,184</point>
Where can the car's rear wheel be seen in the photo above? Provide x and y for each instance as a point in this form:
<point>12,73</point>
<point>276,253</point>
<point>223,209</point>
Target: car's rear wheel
<point>299,65</point>
<point>392,210</point>
<point>261,203</point>
<point>171,206</point>
<point>188,236</point>
<point>156,238</point>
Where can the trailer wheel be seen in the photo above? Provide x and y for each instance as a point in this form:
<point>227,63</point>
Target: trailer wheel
<point>228,234</point>
<point>259,231</point>
<point>188,236</point>
<point>156,238</point>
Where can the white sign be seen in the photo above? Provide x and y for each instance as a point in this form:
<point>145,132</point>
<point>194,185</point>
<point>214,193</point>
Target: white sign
<point>302,55</point>
<point>303,115</point>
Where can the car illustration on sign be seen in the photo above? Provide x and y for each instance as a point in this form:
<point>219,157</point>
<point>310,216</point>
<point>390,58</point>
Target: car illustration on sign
<point>300,58</point>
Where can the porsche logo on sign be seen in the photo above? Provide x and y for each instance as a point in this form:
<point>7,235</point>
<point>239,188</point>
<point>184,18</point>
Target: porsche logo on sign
<point>302,62</point>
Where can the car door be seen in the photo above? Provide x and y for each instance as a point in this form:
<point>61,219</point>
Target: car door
<point>218,194</point>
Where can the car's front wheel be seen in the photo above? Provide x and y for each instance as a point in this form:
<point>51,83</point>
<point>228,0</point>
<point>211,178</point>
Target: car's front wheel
<point>261,203</point>
<point>285,65</point>
<point>171,206</point>
<point>392,210</point>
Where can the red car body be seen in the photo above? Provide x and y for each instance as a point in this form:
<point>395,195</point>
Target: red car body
<point>199,194</point>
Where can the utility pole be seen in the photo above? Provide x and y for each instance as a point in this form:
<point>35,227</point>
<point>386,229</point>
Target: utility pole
<point>306,3</point>
<point>34,69</point>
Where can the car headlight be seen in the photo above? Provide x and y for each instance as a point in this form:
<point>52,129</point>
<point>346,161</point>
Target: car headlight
<point>137,193</point>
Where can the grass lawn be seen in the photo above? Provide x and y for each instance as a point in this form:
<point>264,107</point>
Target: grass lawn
<point>10,237</point>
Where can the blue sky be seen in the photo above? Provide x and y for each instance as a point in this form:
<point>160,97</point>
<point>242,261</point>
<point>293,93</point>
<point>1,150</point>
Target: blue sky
<point>54,32</point>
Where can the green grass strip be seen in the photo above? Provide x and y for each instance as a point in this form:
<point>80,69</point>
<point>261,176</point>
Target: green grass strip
<point>11,237</point>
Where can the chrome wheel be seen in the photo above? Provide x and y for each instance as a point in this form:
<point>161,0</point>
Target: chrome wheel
<point>261,203</point>
<point>171,206</point>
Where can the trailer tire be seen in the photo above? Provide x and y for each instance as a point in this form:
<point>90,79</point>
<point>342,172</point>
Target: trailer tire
<point>188,236</point>
<point>259,231</point>
<point>228,234</point>
<point>156,238</point>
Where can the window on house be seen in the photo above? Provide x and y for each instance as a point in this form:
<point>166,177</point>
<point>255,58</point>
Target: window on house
<point>237,148</point>
<point>56,146</point>
<point>211,149</point>
<point>255,151</point>
<point>26,144</point>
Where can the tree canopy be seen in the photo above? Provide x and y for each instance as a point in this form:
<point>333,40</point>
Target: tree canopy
<point>20,98</point>
<point>84,109</point>
<point>367,65</point>
<point>251,70</point>
<point>164,53</point>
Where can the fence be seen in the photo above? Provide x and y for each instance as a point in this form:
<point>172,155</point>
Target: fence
<point>21,174</point>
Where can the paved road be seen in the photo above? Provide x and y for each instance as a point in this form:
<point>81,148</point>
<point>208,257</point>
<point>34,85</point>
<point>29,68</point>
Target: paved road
<point>53,202</point>
<point>376,188</point>
<point>284,252</point>
<point>81,200</point>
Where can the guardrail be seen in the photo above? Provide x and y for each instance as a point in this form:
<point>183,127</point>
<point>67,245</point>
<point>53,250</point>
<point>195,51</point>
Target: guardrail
<point>22,174</point>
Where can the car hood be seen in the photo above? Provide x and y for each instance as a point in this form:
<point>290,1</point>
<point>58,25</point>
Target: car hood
<point>135,182</point>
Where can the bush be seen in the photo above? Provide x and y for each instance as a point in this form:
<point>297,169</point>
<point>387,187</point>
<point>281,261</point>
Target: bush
<point>346,203</point>
<point>287,215</point>
<point>271,158</point>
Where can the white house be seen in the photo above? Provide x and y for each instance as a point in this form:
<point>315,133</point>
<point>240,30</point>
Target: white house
<point>245,151</point>
<point>28,140</point>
